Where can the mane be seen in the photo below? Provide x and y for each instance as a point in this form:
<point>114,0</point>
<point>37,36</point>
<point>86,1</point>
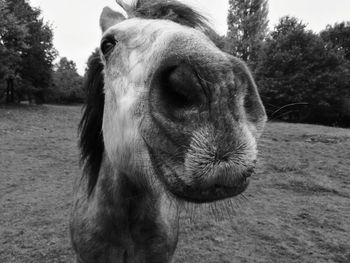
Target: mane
<point>90,128</point>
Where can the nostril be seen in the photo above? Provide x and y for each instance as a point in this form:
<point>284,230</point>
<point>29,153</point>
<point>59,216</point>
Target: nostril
<point>221,156</point>
<point>180,87</point>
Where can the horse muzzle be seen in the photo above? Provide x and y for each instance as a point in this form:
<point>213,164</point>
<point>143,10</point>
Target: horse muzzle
<point>214,185</point>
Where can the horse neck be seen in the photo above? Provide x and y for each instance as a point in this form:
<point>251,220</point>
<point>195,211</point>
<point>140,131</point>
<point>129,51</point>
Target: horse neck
<point>144,219</point>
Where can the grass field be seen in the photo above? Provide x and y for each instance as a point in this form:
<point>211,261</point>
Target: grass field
<point>297,208</point>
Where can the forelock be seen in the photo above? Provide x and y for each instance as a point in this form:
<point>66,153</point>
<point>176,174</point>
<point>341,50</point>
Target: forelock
<point>170,10</point>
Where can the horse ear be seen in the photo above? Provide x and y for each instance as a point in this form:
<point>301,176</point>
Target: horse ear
<point>110,18</point>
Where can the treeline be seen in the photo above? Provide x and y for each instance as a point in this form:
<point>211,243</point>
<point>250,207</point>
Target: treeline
<point>27,53</point>
<point>302,76</point>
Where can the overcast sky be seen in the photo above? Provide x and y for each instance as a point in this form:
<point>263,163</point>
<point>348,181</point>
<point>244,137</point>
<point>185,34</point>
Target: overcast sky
<point>77,33</point>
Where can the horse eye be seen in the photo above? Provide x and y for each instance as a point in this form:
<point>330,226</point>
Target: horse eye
<point>107,45</point>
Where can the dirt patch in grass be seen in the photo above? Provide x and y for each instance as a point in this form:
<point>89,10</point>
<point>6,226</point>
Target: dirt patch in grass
<point>295,210</point>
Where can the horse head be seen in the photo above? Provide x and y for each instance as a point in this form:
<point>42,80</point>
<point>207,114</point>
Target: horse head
<point>176,108</point>
<point>167,111</point>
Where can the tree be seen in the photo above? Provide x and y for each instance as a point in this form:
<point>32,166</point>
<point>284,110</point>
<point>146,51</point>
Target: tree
<point>26,49</point>
<point>12,35</point>
<point>247,28</point>
<point>296,67</point>
<point>338,37</point>
<point>67,84</point>
<point>37,61</point>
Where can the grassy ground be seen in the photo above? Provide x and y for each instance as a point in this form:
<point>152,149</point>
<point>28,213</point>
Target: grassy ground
<point>297,208</point>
